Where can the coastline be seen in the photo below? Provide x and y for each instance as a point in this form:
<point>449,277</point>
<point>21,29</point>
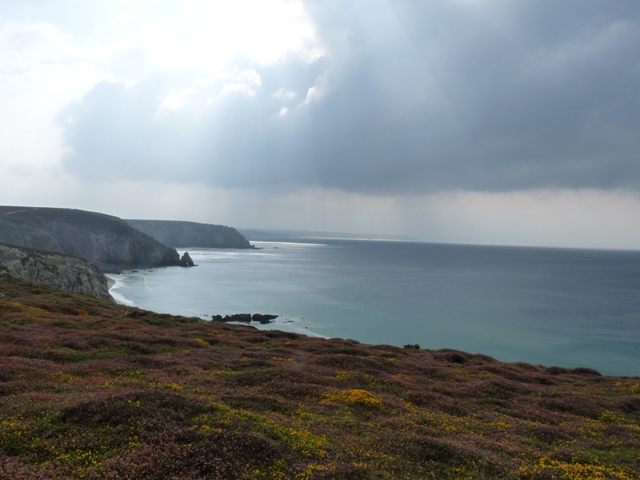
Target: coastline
<point>435,296</point>
<point>115,283</point>
<point>283,322</point>
<point>181,397</point>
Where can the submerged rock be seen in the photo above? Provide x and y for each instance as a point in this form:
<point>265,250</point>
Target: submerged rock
<point>236,317</point>
<point>244,317</point>
<point>263,318</point>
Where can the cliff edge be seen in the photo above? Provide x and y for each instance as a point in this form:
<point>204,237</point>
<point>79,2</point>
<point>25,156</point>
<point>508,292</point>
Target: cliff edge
<point>105,240</point>
<point>59,270</point>
<point>179,234</point>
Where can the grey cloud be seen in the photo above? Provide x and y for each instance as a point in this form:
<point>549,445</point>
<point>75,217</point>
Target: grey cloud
<point>424,96</point>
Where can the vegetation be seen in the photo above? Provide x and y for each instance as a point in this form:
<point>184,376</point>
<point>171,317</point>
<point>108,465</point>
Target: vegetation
<point>93,390</point>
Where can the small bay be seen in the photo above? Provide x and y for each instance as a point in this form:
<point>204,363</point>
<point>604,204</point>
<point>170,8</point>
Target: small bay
<point>544,306</point>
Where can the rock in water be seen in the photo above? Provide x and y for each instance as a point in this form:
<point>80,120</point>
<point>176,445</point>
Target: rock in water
<point>186,261</point>
<point>56,269</point>
<point>236,317</point>
<point>263,318</point>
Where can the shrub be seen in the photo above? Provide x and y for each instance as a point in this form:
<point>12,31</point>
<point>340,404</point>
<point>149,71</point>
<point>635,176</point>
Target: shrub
<point>152,408</point>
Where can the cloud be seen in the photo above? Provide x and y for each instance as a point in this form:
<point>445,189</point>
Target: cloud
<point>41,71</point>
<point>418,97</point>
<point>568,218</point>
<point>481,121</point>
<point>284,94</point>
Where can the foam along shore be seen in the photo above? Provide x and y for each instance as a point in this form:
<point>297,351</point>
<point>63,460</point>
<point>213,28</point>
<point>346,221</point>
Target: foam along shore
<point>116,281</point>
<point>285,322</point>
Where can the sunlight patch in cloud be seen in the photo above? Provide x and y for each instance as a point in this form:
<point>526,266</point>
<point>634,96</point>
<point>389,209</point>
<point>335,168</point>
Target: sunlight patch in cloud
<point>122,18</point>
<point>204,91</point>
<point>208,34</point>
<point>176,100</point>
<point>41,71</point>
<point>237,87</point>
<point>284,94</point>
<point>312,94</point>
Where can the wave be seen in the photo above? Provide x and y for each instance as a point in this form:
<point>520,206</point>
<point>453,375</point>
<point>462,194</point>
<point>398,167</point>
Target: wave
<point>118,282</point>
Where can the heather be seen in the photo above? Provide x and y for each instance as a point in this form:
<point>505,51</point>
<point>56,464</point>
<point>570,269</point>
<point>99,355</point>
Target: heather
<point>93,390</point>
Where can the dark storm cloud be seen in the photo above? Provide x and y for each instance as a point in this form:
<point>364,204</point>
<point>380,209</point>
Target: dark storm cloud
<point>421,96</point>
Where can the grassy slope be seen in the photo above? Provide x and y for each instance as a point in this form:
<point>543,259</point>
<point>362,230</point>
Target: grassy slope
<point>93,390</point>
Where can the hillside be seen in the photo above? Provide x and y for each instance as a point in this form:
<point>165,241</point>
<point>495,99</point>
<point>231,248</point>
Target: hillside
<point>105,240</point>
<point>191,234</point>
<point>57,269</point>
<point>93,390</point>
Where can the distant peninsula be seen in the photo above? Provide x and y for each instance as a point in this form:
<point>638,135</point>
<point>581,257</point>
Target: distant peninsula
<point>178,234</point>
<point>283,235</point>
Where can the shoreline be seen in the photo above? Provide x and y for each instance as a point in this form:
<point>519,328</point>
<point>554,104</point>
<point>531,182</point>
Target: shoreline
<point>311,312</point>
<point>114,284</point>
<point>183,396</point>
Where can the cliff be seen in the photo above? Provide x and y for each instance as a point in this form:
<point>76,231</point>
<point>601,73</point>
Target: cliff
<point>59,270</point>
<point>107,241</point>
<point>191,234</point>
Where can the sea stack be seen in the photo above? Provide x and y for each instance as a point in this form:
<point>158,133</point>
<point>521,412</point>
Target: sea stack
<point>186,261</point>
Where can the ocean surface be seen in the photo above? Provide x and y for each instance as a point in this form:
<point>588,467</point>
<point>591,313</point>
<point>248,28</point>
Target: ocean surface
<point>538,305</point>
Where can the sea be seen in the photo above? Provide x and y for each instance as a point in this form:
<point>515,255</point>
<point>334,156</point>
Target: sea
<point>562,307</point>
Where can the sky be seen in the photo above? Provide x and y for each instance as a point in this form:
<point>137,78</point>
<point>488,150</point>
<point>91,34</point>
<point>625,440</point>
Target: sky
<point>467,121</point>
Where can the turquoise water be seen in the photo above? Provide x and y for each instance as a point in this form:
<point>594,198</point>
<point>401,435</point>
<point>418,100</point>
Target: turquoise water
<point>543,306</point>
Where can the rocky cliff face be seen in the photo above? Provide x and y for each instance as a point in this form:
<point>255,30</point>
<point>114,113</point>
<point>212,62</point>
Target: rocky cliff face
<point>60,270</point>
<point>191,234</point>
<point>108,241</point>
